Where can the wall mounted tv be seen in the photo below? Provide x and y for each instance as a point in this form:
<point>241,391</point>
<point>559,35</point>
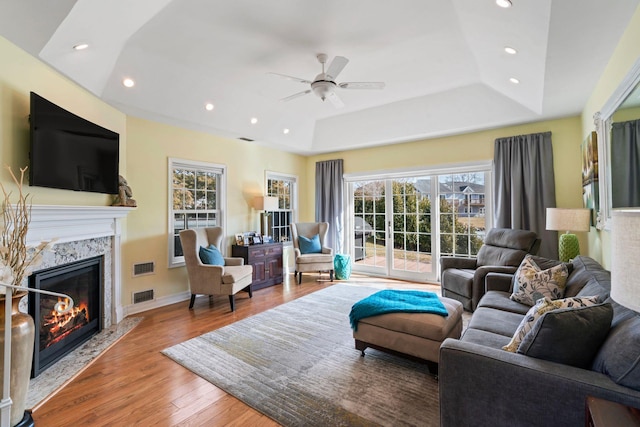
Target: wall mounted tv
<point>69,152</point>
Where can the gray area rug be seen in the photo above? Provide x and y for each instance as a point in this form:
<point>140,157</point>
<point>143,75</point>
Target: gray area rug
<point>297,364</point>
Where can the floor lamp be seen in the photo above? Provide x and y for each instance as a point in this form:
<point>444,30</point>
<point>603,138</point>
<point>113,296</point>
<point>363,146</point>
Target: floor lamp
<point>265,204</point>
<point>561,219</point>
<point>625,252</point>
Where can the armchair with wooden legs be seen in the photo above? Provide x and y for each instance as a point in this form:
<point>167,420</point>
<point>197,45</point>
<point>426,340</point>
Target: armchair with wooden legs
<point>227,279</point>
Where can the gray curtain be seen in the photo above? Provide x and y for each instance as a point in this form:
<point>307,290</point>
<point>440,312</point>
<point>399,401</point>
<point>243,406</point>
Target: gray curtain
<point>524,186</point>
<point>329,201</point>
<point>625,158</point>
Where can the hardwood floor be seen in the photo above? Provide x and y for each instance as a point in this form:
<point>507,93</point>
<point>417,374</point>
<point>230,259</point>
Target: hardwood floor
<point>132,383</point>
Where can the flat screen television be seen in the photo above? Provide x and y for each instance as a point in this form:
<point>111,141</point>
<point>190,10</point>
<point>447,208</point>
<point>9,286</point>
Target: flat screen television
<point>69,152</point>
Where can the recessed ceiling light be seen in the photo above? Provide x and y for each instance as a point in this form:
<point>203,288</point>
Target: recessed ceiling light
<point>504,3</point>
<point>128,82</point>
<point>254,120</point>
<point>81,46</point>
<point>514,80</point>
<point>209,106</point>
<point>510,50</point>
<point>285,131</point>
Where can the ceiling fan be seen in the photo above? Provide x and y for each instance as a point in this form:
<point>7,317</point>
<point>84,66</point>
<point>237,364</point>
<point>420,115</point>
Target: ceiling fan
<point>324,84</point>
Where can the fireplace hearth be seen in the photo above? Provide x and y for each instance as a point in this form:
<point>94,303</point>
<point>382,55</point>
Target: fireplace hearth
<point>58,334</point>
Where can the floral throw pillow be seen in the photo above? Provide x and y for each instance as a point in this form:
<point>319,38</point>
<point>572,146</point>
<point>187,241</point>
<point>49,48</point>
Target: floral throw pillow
<point>534,283</point>
<point>542,306</point>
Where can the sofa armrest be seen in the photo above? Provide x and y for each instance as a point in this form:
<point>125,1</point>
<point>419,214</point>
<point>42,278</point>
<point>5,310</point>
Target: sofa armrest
<point>234,261</point>
<point>498,282</point>
<point>481,385</point>
<point>457,262</point>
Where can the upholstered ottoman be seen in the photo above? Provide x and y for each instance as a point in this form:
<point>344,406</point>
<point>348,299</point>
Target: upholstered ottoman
<point>417,335</point>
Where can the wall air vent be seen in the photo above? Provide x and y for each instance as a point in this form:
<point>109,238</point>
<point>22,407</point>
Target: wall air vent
<point>246,139</point>
<point>143,296</point>
<point>144,268</point>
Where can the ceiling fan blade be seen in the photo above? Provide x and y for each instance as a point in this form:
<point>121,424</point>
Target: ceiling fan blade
<point>294,79</point>
<point>335,100</point>
<point>336,66</point>
<point>296,95</point>
<point>362,85</point>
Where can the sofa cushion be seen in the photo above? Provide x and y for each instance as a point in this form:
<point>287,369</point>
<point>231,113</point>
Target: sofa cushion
<point>485,338</point>
<point>571,336</point>
<point>532,283</point>
<point>502,301</point>
<point>587,278</point>
<point>210,255</point>
<point>541,307</point>
<point>309,246</point>
<point>619,356</point>
<point>495,321</point>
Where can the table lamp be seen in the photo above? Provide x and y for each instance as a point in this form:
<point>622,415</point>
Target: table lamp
<point>265,204</point>
<point>625,253</point>
<point>561,219</point>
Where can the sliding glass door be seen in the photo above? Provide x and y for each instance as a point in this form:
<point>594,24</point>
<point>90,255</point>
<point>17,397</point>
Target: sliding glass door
<point>391,227</point>
<point>399,226</point>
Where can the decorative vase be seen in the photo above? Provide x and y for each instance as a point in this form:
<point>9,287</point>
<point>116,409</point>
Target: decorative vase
<point>22,341</point>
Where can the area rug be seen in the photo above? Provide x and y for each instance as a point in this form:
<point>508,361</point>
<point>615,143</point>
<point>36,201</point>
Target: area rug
<point>297,364</point>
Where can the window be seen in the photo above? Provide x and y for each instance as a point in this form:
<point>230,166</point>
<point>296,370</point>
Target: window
<point>284,187</point>
<point>196,199</point>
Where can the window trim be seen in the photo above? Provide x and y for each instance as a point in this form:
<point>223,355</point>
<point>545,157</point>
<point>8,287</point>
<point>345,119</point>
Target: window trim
<point>172,163</point>
<point>294,193</point>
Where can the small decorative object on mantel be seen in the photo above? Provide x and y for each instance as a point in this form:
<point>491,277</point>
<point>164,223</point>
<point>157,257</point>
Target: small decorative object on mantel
<point>123,198</point>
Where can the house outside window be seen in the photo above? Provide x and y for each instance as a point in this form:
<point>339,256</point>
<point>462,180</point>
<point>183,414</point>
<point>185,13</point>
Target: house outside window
<point>196,199</point>
<point>285,188</point>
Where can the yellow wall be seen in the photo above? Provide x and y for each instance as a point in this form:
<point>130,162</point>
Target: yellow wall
<point>478,146</point>
<point>151,144</point>
<point>625,55</point>
<point>20,73</point>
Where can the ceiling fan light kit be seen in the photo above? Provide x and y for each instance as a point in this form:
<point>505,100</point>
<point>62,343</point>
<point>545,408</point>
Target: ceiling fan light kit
<point>324,85</point>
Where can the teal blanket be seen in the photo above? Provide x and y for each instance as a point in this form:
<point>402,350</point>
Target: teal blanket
<point>393,301</point>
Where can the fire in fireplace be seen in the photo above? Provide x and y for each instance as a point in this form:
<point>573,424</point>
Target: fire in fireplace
<point>58,334</point>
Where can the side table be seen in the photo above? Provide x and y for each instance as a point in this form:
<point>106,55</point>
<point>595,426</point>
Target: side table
<point>266,260</point>
<point>604,413</point>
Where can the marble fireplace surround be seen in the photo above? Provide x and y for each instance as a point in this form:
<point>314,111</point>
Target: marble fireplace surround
<point>82,232</point>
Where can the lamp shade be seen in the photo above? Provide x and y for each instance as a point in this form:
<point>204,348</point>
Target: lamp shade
<point>562,219</point>
<point>625,253</point>
<point>265,203</point>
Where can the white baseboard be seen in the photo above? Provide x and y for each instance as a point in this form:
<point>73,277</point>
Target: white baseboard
<point>156,303</point>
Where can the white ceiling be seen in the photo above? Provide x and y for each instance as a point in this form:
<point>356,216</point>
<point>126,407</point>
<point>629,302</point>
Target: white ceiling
<point>443,62</point>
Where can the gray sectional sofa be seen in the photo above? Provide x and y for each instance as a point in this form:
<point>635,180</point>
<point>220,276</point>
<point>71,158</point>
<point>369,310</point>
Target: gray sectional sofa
<point>483,385</point>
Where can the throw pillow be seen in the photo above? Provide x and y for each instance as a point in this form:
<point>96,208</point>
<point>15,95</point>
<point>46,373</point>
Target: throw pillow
<point>571,336</point>
<point>619,356</point>
<point>534,283</point>
<point>545,264</point>
<point>541,307</point>
<point>309,246</point>
<point>211,256</point>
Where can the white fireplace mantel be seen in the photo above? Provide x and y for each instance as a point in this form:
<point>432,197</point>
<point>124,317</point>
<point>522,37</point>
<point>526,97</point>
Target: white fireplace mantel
<point>75,223</point>
<point>71,223</point>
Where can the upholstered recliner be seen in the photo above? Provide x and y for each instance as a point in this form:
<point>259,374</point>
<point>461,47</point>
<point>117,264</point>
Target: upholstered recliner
<point>502,252</point>
<point>207,279</point>
<point>318,261</point>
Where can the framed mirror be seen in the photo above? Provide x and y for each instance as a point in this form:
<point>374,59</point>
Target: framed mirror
<point>618,128</point>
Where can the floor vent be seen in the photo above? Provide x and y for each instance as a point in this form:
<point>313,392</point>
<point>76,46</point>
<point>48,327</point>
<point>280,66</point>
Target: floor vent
<point>142,296</point>
<point>246,139</point>
<point>144,268</point>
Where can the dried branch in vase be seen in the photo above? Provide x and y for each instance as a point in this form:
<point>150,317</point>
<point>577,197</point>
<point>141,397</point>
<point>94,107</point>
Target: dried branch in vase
<point>17,260</point>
